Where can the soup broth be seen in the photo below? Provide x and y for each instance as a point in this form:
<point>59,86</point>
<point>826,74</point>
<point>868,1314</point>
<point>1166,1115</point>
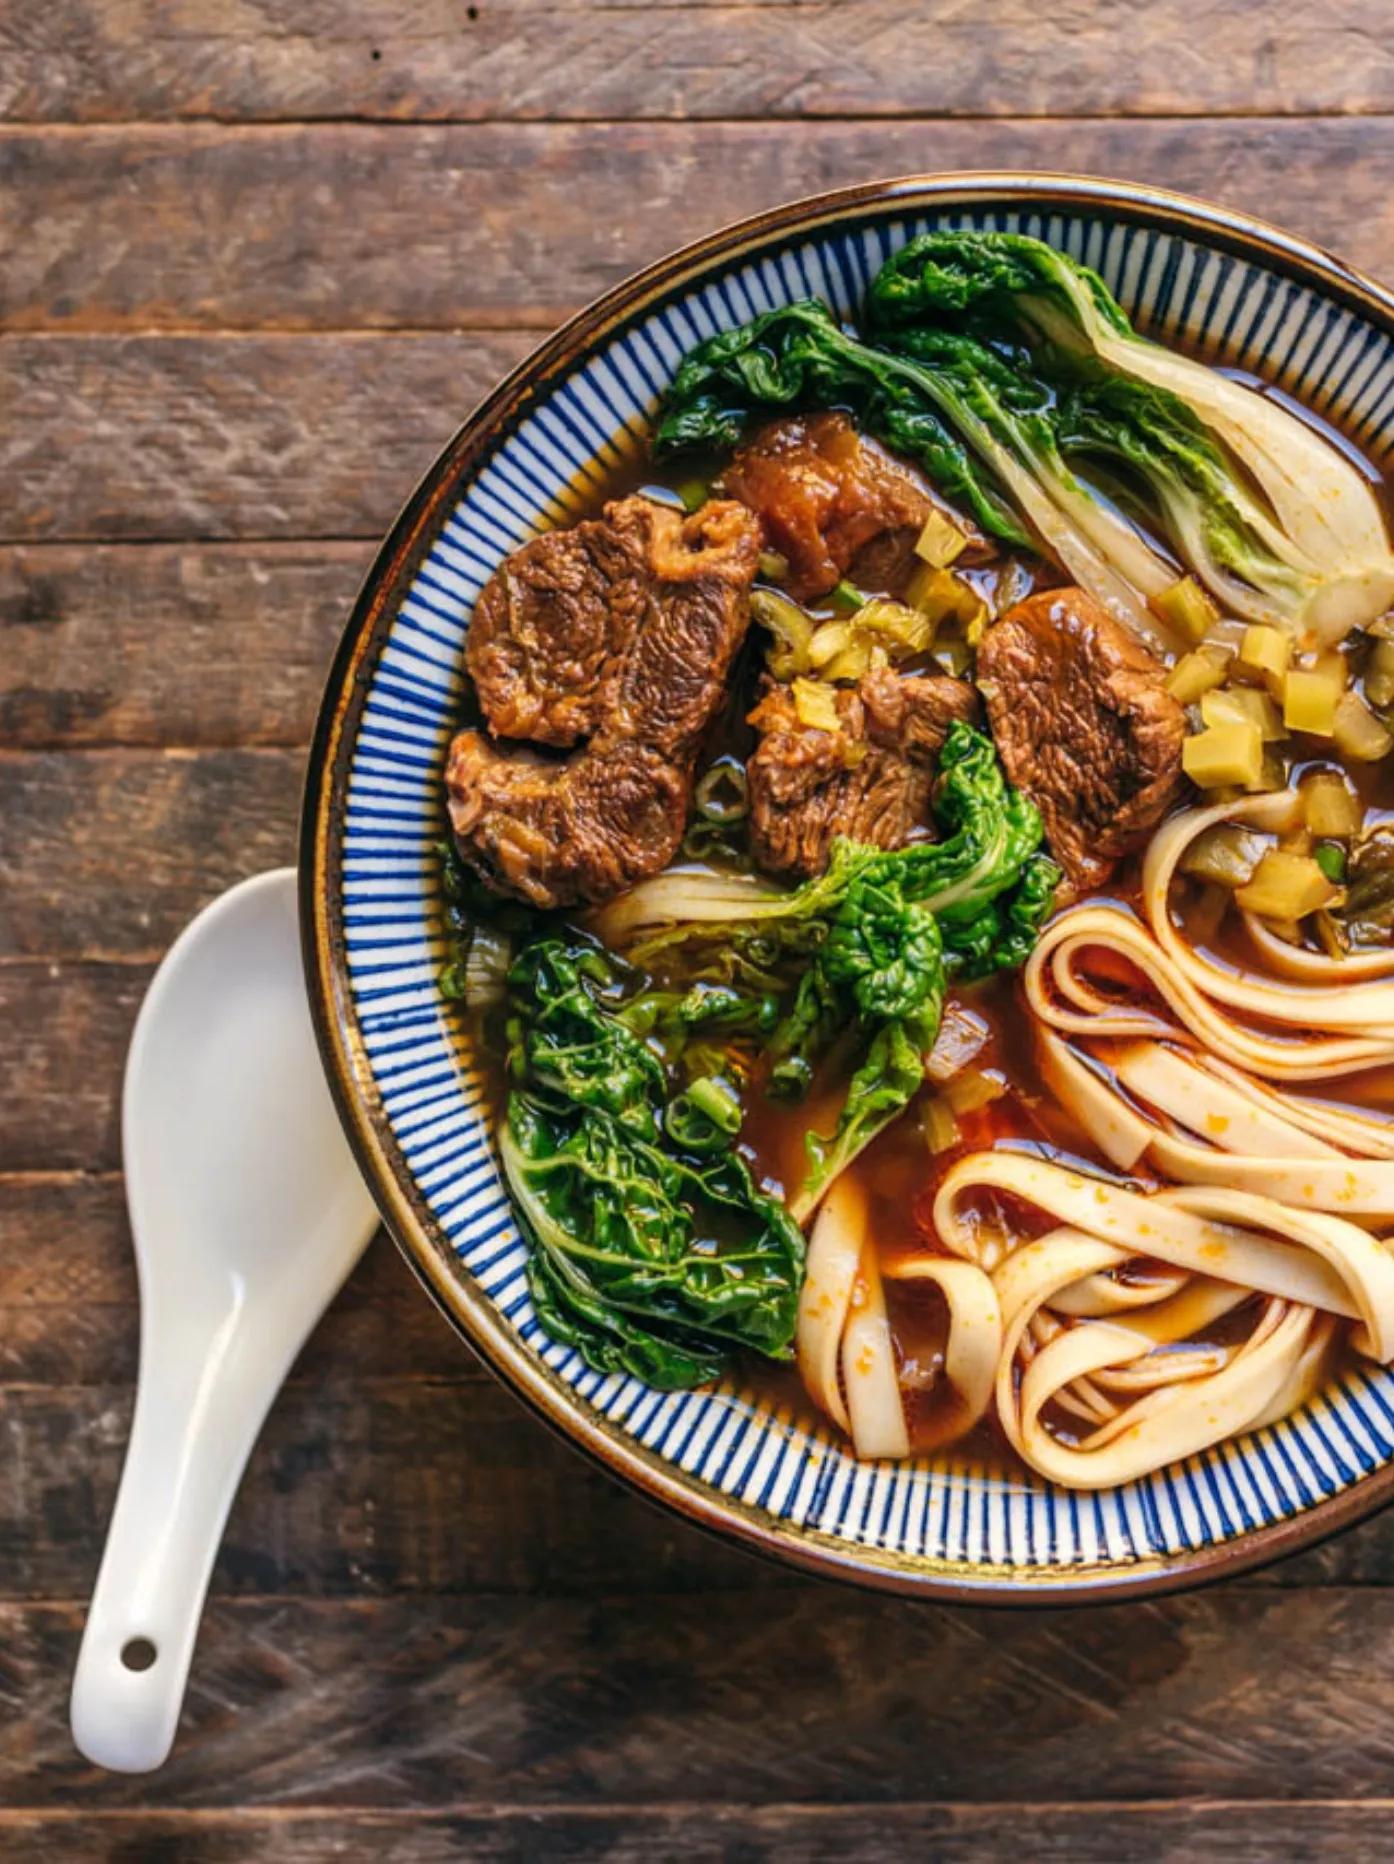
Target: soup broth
<point>1121,1066</point>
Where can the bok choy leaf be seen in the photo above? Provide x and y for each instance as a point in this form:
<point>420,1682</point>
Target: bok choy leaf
<point>652,1250</point>
<point>1276,521</point>
<point>875,940</point>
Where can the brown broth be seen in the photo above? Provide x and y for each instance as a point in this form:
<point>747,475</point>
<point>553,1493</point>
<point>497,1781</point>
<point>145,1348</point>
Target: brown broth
<point>897,1173</point>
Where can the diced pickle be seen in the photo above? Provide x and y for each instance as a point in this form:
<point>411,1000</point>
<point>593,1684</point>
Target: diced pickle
<point>938,1124</point>
<point>816,705</point>
<point>971,1089</point>
<point>940,541</point>
<point>1358,733</point>
<point>1196,674</point>
<point>1237,705</point>
<point>1286,887</point>
<point>1329,806</point>
<point>1310,698</point>
<point>1379,674</point>
<point>1224,754</point>
<point>1266,651</point>
<point>1225,855</point>
<point>1188,608</point>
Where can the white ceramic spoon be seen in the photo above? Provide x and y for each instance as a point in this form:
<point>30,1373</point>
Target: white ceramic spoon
<point>247,1212</point>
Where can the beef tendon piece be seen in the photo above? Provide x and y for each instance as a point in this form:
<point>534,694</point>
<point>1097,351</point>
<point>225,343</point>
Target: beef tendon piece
<point>660,605</point>
<point>869,780</point>
<point>1084,725</point>
<point>833,504</point>
<point>569,831</point>
<point>555,630</point>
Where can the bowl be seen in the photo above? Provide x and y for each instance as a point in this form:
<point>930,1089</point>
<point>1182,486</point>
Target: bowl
<point>412,1098</point>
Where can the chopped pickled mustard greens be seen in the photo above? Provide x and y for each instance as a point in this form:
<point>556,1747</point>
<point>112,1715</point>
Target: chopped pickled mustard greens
<point>1310,698</point>
<point>1224,754</point>
<point>1286,887</point>
<point>937,1123</point>
<point>1238,705</point>
<point>791,627</point>
<point>943,596</point>
<point>971,1089</point>
<point>829,639</point>
<point>816,705</point>
<point>940,542</point>
<point>1329,806</point>
<point>1197,673</point>
<point>1188,608</point>
<point>1265,651</point>
<point>1379,674</point>
<point>1357,732</point>
<point>1225,856</point>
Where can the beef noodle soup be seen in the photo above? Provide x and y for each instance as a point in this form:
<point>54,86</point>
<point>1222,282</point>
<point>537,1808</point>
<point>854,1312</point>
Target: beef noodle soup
<point>922,865</point>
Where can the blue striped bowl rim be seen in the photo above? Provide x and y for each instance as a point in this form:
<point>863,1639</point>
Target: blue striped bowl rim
<point>414,1101</point>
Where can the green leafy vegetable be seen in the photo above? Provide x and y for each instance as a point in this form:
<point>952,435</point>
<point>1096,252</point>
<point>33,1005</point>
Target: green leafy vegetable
<point>1006,370</point>
<point>1367,911</point>
<point>935,391</point>
<point>1277,522</point>
<point>800,354</point>
<point>480,931</point>
<point>876,939</point>
<point>653,1251</point>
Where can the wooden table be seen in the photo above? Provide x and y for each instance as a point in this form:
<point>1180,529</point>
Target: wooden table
<point>259,258</point>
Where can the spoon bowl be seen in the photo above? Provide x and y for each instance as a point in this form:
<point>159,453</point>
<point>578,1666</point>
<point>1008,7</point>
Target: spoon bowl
<point>247,1212</point>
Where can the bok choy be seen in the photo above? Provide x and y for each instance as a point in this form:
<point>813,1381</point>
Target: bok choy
<point>873,942</point>
<point>653,1252</point>
<point>1011,374</point>
<point>1276,522</point>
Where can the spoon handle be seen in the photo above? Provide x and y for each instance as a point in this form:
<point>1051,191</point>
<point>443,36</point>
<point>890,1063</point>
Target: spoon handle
<point>203,1394</point>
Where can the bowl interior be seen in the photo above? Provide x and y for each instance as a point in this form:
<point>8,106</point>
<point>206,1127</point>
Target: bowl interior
<point>416,1101</point>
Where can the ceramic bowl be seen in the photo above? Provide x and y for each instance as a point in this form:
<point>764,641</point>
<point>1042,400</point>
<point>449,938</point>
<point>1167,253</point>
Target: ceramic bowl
<point>411,1095</point>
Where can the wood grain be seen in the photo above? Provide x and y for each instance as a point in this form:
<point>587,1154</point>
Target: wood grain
<point>111,852</point>
<point>90,61</point>
<point>278,437</point>
<point>812,1694</point>
<point>68,1300</point>
<point>66,1031</point>
<point>218,645</point>
<point>507,224</point>
<point>384,1410</point>
<point>231,339</point>
<point>362,1486</point>
<point>1113,1833</point>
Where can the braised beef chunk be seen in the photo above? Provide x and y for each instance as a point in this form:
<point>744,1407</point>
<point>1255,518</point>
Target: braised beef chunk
<point>672,678</point>
<point>832,503</point>
<point>1084,725</point>
<point>561,832</point>
<point>659,604</point>
<point>870,780</point>
<point>557,629</point>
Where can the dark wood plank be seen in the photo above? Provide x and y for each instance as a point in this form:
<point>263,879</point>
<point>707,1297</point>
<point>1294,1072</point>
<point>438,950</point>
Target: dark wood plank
<point>510,58</point>
<point>66,1032</point>
<point>371,1377</point>
<point>1256,1832</point>
<point>361,1486</point>
<point>111,852</point>
<point>504,224</point>
<point>251,437</point>
<point>68,1300</point>
<point>815,1694</point>
<point>154,644</point>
